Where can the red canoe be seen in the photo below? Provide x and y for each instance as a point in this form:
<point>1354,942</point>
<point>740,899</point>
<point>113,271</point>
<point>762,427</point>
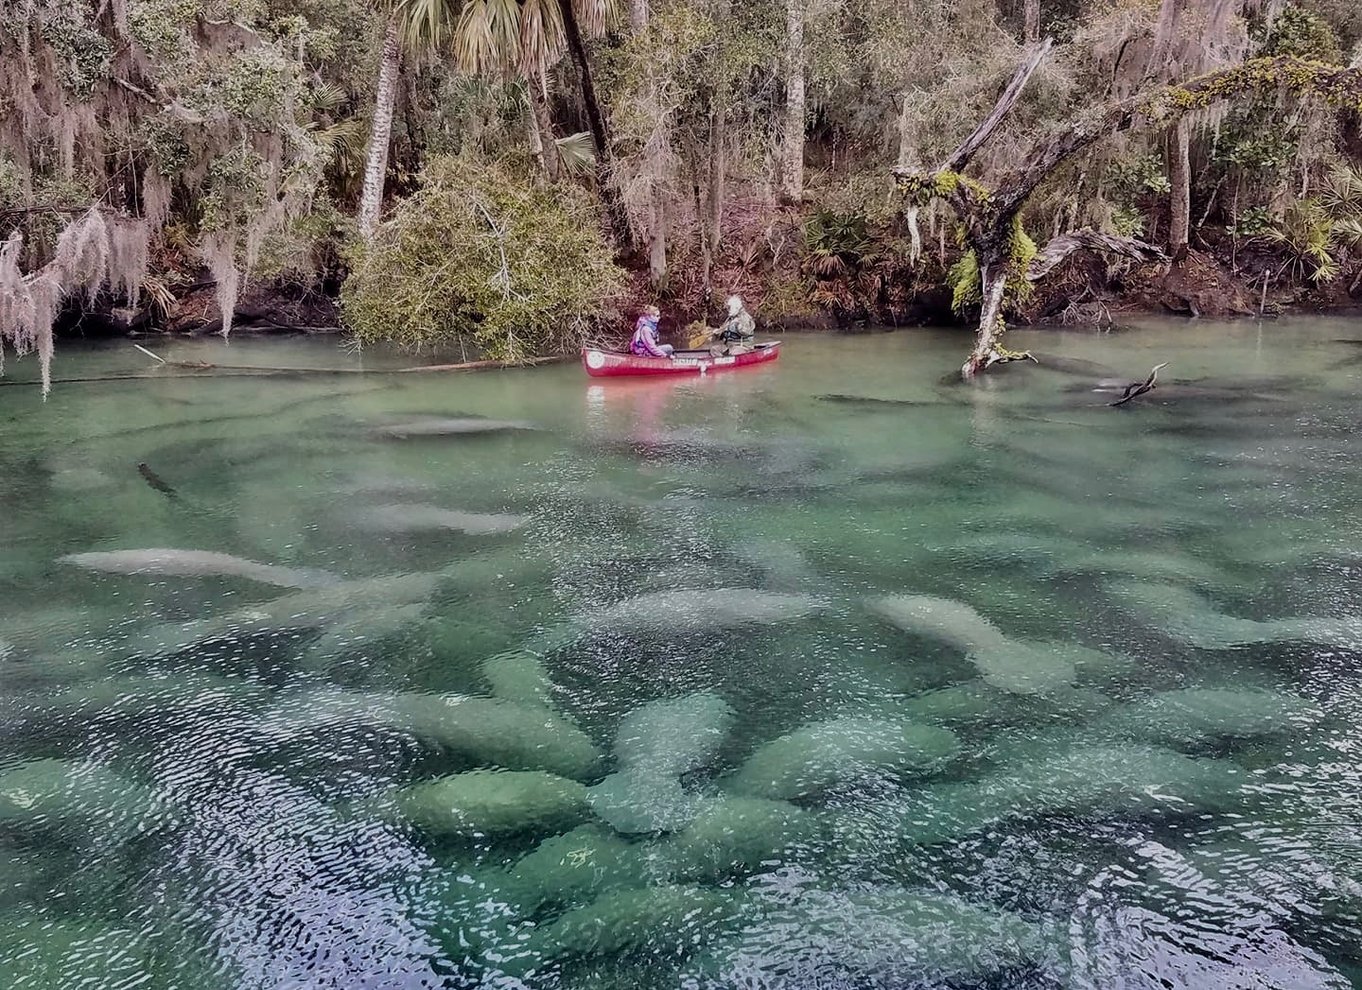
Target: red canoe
<point>615,364</point>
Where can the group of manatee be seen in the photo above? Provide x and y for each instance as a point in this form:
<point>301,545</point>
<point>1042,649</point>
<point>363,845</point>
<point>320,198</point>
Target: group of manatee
<point>660,842</point>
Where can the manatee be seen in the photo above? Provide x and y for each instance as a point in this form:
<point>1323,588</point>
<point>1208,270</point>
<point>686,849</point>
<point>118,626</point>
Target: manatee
<point>1013,665</point>
<point>1102,779</point>
<point>40,953</point>
<point>733,836</point>
<point>199,563</point>
<point>487,802</point>
<point>1201,715</point>
<point>459,426</point>
<point>418,518</point>
<point>574,868</point>
<point>519,676</point>
<point>1187,616</point>
<point>885,936</point>
<point>315,609</point>
<point>978,704</point>
<point>673,736</point>
<point>483,731</point>
<point>634,802</point>
<point>662,921</point>
<point>359,629</point>
<point>845,750</point>
<point>51,792</point>
<point>695,610</point>
<point>950,621</point>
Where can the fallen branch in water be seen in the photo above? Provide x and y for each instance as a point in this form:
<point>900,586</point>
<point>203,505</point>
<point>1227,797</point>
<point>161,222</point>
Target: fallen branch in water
<point>154,480</point>
<point>1136,389</point>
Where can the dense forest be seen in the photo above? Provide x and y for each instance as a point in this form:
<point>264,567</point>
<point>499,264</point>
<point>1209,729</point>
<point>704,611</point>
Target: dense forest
<point>513,176</point>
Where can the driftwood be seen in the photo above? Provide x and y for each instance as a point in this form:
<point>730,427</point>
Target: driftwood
<point>1049,257</point>
<point>1136,389</point>
<point>154,480</point>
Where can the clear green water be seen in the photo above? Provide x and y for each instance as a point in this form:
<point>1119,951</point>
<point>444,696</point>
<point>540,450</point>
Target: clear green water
<point>1127,757</point>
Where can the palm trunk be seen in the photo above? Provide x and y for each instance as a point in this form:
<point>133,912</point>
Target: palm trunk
<point>1180,191</point>
<point>600,136</point>
<point>385,102</point>
<point>792,151</point>
<point>542,129</point>
<point>1031,21</point>
<point>638,16</point>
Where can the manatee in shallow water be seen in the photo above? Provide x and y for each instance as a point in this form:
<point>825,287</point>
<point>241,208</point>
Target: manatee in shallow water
<point>314,609</point>
<point>1104,779</point>
<point>978,704</point>
<point>1188,616</point>
<point>697,610</point>
<point>482,731</point>
<point>49,792</point>
<point>519,676</point>
<point>38,952</point>
<point>420,518</point>
<point>666,920</point>
<point>457,426</point>
<point>816,757</point>
<point>950,621</point>
<point>885,936</point>
<point>635,802</point>
<point>673,736</point>
<point>489,802</point>
<point>1010,664</point>
<point>162,561</point>
<point>1202,715</point>
<point>732,836</point>
<point>574,868</point>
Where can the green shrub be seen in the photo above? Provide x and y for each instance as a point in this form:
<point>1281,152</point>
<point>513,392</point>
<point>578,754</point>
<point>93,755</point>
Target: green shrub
<point>481,256</point>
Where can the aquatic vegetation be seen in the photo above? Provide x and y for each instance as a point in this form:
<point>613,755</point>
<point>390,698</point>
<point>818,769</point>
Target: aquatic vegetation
<point>198,563</point>
<point>484,732</point>
<point>732,836</point>
<point>816,757</point>
<point>488,802</point>
<point>673,736</point>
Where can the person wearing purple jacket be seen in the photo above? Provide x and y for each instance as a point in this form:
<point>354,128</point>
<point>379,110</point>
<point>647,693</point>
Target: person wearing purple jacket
<point>644,342</point>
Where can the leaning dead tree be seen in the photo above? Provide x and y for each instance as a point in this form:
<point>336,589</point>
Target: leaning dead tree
<point>990,218</point>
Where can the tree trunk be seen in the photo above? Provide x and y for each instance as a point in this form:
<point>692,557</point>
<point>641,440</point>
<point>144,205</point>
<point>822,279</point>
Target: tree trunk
<point>792,151</point>
<point>657,249</point>
<point>718,166</point>
<point>993,280</point>
<point>1180,193</point>
<point>600,136</point>
<point>638,16</point>
<point>385,101</point>
<point>1031,21</point>
<point>542,129</point>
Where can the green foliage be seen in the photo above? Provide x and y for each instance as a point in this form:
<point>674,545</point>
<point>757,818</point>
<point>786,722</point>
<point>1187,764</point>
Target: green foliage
<point>1299,32</point>
<point>1306,232</point>
<point>481,256</point>
<point>1253,221</point>
<point>1130,177</point>
<point>965,283</point>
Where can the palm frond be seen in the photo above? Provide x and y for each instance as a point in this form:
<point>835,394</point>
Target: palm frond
<point>327,97</point>
<point>541,36</point>
<point>577,153</point>
<point>427,23</point>
<point>595,17</point>
<point>486,39</point>
<point>344,143</point>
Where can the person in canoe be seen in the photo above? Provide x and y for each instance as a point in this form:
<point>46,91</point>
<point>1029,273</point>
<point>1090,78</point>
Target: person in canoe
<point>736,334</point>
<point>644,343</point>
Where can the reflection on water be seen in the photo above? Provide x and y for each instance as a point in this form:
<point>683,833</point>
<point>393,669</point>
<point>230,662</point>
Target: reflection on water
<point>831,673</point>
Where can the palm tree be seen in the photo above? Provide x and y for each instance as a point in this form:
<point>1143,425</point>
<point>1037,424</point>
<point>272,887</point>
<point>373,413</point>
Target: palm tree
<point>510,38</point>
